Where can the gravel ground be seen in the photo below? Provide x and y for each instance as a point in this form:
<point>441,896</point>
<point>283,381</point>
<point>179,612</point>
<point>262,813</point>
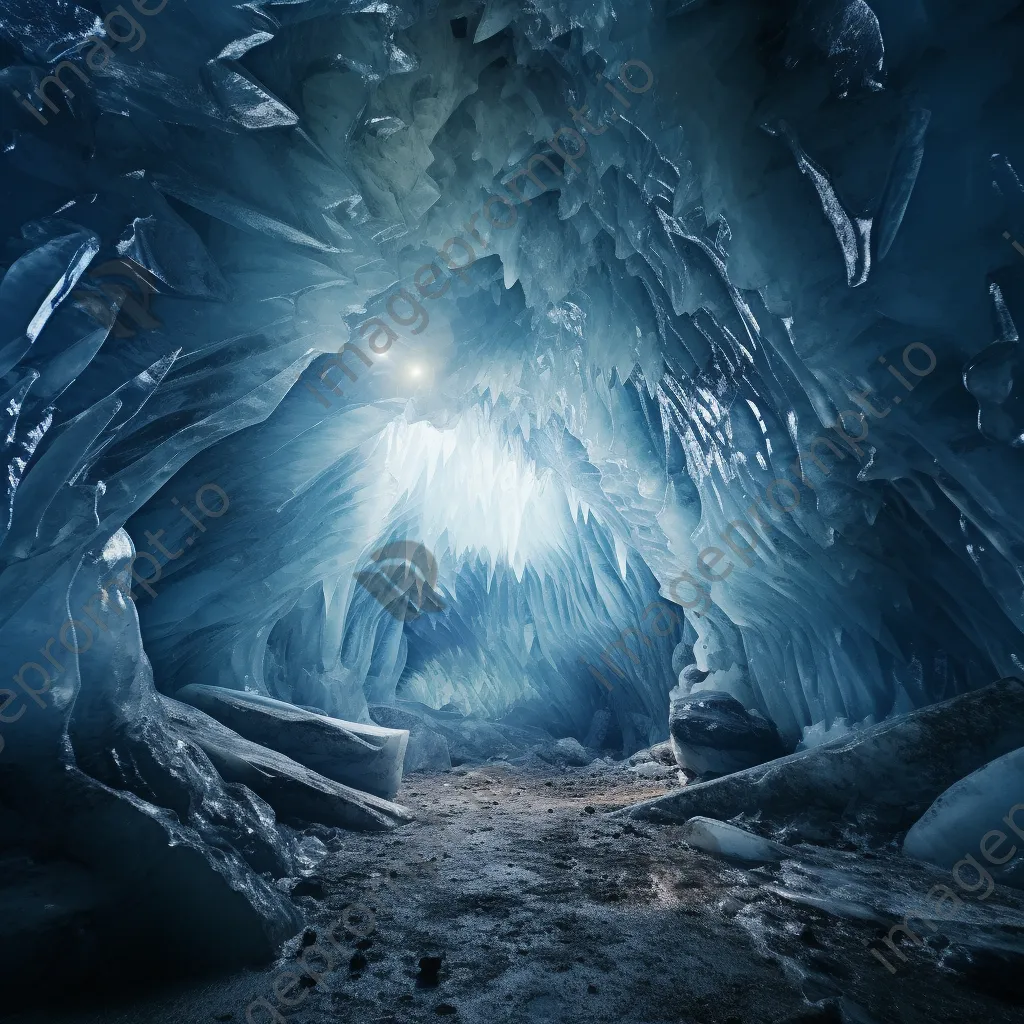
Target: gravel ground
<point>542,908</point>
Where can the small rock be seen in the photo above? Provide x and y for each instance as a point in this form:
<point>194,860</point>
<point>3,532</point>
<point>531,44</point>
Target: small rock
<point>592,989</point>
<point>364,944</point>
<point>358,962</point>
<point>589,810</point>
<point>567,751</point>
<point>430,969</point>
<point>309,887</point>
<point>445,1009</point>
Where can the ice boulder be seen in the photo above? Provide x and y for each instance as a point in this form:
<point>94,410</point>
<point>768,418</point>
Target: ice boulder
<point>982,817</point>
<point>725,840</point>
<point>712,733</point>
<point>366,757</point>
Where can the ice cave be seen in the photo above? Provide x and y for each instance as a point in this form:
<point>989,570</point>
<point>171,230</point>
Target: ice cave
<point>510,511</point>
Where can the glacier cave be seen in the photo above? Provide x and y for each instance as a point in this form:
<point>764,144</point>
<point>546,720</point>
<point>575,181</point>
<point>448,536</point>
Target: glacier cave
<point>509,511</point>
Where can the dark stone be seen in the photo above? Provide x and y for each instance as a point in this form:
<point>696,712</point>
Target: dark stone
<point>713,734</point>
<point>445,1009</point>
<point>430,970</point>
<point>691,676</point>
<point>309,887</point>
<point>589,810</point>
<point>358,962</point>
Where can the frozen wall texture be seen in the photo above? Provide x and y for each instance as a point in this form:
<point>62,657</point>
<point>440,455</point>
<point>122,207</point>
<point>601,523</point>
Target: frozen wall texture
<point>611,305</point>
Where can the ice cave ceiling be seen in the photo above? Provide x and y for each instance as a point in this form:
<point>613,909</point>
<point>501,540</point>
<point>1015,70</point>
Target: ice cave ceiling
<point>695,238</point>
<point>610,306</point>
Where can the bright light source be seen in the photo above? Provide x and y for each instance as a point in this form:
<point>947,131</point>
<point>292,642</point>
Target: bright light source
<point>479,487</point>
<point>415,371</point>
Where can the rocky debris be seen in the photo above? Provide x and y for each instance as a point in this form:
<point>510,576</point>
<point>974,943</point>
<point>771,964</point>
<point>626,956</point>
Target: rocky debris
<point>889,772</point>
<point>654,770</point>
<point>981,816</point>
<point>428,748</point>
<point>713,734</point>
<point>366,757</point>
<point>664,754</point>
<point>660,753</point>
<point>291,789</point>
<point>725,840</point>
<point>567,751</point>
<point>471,739</point>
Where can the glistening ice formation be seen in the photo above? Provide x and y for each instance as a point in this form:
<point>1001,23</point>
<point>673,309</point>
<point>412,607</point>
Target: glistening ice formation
<point>606,304</point>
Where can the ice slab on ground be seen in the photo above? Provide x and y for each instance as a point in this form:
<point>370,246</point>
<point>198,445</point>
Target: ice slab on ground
<point>891,771</point>
<point>364,757</point>
<point>292,789</point>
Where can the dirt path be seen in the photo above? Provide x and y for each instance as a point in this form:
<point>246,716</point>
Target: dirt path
<point>544,909</point>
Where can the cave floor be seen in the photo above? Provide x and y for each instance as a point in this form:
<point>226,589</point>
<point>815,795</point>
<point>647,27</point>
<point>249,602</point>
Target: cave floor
<point>544,910</point>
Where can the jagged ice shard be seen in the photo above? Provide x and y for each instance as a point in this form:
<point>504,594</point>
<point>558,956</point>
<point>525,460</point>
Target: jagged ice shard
<point>657,335</point>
